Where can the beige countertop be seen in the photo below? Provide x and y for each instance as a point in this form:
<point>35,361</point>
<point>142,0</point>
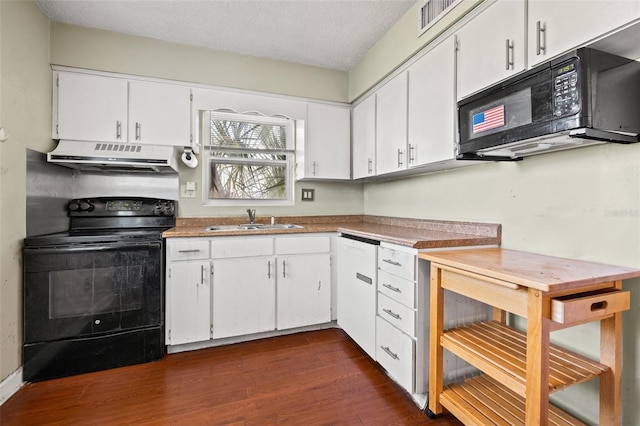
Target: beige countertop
<point>415,233</point>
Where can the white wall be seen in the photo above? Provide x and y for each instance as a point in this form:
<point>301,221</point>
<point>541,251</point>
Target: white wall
<point>25,102</point>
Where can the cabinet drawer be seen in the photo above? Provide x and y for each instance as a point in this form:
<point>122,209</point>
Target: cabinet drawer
<point>397,288</point>
<point>222,248</point>
<point>188,249</point>
<point>299,245</point>
<point>397,262</point>
<point>395,351</point>
<point>397,314</point>
<point>589,306</point>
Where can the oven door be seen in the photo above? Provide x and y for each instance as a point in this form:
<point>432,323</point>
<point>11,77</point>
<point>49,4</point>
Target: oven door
<point>91,289</point>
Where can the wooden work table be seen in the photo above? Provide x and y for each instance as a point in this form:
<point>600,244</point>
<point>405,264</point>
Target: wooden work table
<point>521,369</point>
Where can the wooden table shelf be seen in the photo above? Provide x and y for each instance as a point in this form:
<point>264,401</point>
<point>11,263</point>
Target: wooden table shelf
<point>482,400</point>
<point>501,352</point>
<point>522,369</point>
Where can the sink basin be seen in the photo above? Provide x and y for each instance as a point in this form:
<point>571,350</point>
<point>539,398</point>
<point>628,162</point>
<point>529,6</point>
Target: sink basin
<point>252,227</point>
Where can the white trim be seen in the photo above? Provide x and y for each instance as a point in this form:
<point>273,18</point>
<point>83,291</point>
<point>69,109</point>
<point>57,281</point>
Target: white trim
<point>10,385</point>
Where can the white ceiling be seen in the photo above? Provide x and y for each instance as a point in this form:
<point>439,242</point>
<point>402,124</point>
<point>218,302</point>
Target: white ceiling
<point>327,33</point>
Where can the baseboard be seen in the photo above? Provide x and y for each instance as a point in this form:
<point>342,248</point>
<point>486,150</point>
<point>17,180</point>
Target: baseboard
<point>10,385</point>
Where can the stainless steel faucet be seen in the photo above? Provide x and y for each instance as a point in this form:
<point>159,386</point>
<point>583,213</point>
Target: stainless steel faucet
<point>252,215</point>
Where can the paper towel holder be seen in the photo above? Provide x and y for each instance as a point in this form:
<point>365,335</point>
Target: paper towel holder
<point>189,158</point>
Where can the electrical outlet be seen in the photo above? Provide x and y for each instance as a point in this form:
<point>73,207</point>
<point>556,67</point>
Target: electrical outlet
<point>188,190</point>
<point>308,194</point>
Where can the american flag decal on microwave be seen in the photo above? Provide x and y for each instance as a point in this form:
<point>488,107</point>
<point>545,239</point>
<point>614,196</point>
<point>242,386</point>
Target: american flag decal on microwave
<point>489,119</point>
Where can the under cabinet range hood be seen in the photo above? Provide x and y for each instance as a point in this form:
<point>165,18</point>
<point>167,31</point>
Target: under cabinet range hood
<point>126,157</point>
<point>585,97</point>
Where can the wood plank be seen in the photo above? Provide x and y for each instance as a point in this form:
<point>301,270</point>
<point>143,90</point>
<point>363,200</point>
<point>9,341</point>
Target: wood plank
<point>319,377</point>
<point>436,326</point>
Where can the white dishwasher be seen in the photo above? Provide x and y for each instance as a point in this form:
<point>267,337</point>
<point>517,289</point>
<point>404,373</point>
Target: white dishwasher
<point>357,289</point>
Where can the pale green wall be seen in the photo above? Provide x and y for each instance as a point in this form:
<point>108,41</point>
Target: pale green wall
<point>25,102</point>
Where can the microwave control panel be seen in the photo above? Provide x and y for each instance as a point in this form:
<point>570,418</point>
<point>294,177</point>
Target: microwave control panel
<point>566,90</point>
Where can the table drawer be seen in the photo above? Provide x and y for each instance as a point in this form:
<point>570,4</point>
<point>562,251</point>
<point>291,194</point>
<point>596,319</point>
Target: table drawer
<point>397,314</point>
<point>397,262</point>
<point>590,306</point>
<point>187,249</point>
<point>399,289</point>
<point>395,351</point>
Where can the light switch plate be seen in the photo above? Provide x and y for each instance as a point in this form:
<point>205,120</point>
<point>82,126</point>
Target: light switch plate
<point>308,194</point>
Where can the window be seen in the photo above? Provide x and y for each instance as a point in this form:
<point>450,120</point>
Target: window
<point>248,158</point>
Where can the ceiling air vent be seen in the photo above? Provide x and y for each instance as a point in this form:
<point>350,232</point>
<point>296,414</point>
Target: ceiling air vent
<point>432,11</point>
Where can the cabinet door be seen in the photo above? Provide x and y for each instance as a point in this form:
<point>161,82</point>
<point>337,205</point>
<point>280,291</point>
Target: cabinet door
<point>304,290</point>
<point>188,302</point>
<point>159,114</point>
<point>432,106</point>
<point>357,292</point>
<point>244,296</point>
<point>391,125</point>
<point>488,44</point>
<point>91,107</point>
<point>327,153</point>
<point>555,27</point>
<point>364,138</point>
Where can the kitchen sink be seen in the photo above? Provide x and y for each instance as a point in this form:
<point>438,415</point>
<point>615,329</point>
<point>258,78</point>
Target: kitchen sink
<point>252,227</point>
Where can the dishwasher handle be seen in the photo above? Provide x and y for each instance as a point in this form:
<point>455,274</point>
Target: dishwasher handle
<point>364,278</point>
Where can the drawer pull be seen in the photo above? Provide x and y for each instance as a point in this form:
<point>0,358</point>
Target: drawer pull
<point>392,288</point>
<point>364,278</point>
<point>189,251</point>
<point>392,262</point>
<point>599,306</point>
<point>388,351</point>
<point>391,313</point>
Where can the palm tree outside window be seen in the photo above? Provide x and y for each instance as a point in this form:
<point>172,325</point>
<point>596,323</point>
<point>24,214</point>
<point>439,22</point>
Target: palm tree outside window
<point>249,158</point>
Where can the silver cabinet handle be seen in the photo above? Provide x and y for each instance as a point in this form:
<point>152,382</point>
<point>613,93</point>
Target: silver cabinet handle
<point>189,251</point>
<point>284,269</point>
<point>392,288</point>
<point>202,274</point>
<point>118,129</point>
<point>540,39</point>
<point>138,131</point>
<point>412,150</point>
<point>388,351</point>
<point>391,313</point>
<point>399,158</point>
<point>392,262</point>
<point>315,167</point>
<point>370,166</point>
<point>269,269</point>
<point>509,54</point>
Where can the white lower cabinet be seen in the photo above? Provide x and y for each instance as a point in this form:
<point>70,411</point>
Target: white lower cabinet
<point>395,351</point>
<point>357,292</point>
<point>234,286</point>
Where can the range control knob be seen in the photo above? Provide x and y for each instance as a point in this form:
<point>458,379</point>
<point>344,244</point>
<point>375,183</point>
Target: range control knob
<point>74,206</point>
<point>85,206</point>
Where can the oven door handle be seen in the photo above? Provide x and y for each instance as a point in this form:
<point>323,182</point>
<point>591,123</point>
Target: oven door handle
<point>93,247</point>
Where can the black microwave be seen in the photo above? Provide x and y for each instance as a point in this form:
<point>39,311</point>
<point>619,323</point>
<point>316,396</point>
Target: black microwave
<point>582,98</point>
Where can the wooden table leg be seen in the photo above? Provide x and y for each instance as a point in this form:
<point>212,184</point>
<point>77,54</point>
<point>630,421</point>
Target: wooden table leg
<point>537,390</point>
<point>611,355</point>
<point>436,319</point>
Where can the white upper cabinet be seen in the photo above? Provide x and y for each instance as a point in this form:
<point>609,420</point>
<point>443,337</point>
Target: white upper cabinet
<point>112,109</point>
<point>555,27</point>
<point>491,47</point>
<point>391,125</point>
<point>432,106</point>
<point>326,151</point>
<point>90,107</point>
<point>364,138</point>
<point>159,114</point>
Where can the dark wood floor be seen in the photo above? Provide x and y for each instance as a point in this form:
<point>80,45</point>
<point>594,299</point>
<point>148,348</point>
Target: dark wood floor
<point>314,378</point>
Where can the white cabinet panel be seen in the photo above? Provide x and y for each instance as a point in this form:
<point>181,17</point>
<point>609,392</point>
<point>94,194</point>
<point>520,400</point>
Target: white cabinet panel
<point>303,290</point>
<point>306,244</point>
<point>91,107</point>
<point>159,114</point>
<point>187,249</point>
<point>188,302</point>
<point>225,247</point>
<point>397,314</point>
<point>357,292</point>
<point>391,125</point>
<point>243,296</point>
<point>395,351</point>
<point>397,288</point>
<point>397,262</point>
<point>327,148</point>
<point>491,47</point>
<point>432,107</point>
<point>364,138</point>
<point>555,27</point>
